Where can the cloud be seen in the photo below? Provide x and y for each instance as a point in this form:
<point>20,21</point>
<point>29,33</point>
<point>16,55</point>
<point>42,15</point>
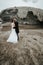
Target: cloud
<point>33,1</point>
<point>25,0</point>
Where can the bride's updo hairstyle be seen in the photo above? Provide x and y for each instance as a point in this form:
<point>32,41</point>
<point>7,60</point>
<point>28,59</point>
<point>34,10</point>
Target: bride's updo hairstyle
<point>11,20</point>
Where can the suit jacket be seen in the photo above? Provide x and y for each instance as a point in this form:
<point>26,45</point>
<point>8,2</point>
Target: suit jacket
<point>16,27</point>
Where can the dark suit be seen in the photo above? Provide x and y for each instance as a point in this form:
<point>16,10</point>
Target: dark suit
<point>17,28</point>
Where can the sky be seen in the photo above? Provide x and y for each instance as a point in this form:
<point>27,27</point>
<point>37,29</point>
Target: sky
<point>12,3</point>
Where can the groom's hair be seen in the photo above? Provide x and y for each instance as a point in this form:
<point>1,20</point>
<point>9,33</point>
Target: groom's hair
<point>15,19</point>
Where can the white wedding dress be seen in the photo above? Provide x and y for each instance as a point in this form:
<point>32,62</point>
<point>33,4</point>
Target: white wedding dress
<point>13,37</point>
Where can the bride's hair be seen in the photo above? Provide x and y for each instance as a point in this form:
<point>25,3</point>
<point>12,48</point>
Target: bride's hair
<point>11,20</point>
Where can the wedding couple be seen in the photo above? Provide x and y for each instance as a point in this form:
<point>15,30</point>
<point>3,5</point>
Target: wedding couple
<point>14,37</point>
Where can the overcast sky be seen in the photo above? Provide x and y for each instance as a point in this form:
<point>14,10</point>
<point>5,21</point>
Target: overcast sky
<point>11,3</point>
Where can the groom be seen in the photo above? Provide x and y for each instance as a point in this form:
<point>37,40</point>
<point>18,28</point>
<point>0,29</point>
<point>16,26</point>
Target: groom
<point>16,27</point>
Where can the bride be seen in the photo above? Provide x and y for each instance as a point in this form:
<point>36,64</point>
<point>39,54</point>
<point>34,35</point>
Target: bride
<point>13,36</point>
